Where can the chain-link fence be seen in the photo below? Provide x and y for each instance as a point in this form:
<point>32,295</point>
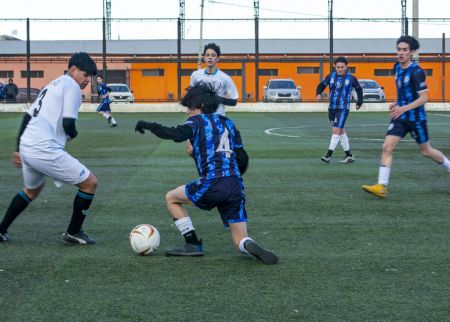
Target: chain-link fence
<point>155,57</point>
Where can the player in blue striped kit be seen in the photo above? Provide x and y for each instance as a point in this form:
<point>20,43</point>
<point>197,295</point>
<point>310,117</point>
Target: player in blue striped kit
<point>341,84</point>
<point>104,108</point>
<point>408,114</point>
<point>220,159</point>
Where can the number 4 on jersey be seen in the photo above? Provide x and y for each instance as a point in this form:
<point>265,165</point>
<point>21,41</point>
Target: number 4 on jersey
<point>224,145</point>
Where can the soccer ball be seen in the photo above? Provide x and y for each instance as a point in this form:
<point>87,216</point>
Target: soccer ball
<point>144,239</point>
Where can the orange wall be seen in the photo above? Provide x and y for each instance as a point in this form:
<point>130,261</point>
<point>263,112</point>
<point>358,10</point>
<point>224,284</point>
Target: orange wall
<point>160,88</point>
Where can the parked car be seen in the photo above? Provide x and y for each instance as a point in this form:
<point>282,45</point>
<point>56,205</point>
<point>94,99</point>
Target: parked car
<point>372,92</point>
<point>281,90</point>
<point>22,95</point>
<point>120,93</point>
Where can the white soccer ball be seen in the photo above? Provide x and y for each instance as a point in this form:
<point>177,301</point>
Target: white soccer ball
<point>144,239</point>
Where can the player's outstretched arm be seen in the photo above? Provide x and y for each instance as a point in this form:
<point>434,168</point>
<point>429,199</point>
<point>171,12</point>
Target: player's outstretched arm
<point>227,101</point>
<point>180,133</point>
<point>242,159</point>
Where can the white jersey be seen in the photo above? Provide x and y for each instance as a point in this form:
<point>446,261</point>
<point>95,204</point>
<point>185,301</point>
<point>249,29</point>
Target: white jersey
<point>44,134</point>
<point>221,82</point>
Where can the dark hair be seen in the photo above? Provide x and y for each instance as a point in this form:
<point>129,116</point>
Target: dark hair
<point>100,76</point>
<point>84,62</point>
<point>212,46</point>
<point>411,41</point>
<point>201,96</point>
<point>341,59</point>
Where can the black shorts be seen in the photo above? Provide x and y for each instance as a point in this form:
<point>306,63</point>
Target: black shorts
<point>338,117</point>
<point>104,106</point>
<point>418,130</point>
<point>227,194</point>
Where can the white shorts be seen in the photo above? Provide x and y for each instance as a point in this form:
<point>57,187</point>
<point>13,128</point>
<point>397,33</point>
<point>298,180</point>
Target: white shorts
<point>62,169</point>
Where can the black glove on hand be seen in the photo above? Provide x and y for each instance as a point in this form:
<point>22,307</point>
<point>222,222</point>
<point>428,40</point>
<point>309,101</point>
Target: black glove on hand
<point>142,125</point>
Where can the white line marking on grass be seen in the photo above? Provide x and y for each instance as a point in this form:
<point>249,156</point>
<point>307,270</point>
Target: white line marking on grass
<point>271,131</point>
<point>447,115</point>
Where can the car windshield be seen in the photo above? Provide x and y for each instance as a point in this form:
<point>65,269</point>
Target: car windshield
<point>369,85</point>
<point>282,84</point>
<point>119,88</point>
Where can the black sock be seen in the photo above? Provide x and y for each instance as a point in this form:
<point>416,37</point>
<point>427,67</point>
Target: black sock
<point>17,205</point>
<point>329,153</point>
<point>348,153</point>
<point>191,238</point>
<point>80,206</point>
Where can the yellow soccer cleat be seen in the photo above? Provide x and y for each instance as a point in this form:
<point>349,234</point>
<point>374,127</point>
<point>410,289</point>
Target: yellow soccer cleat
<point>378,190</point>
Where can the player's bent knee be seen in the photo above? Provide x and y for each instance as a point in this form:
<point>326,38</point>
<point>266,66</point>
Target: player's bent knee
<point>33,193</point>
<point>90,184</point>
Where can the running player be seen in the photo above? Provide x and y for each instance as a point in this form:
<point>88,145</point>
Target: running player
<point>220,159</point>
<point>341,83</point>
<point>104,108</point>
<point>222,83</point>
<point>408,115</point>
<point>46,126</point>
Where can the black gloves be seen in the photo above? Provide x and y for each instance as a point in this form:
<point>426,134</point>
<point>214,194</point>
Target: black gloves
<point>142,125</point>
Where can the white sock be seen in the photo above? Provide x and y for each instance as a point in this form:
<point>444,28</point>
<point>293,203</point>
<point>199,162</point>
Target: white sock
<point>446,164</point>
<point>383,175</point>
<point>334,142</point>
<point>241,245</point>
<point>113,121</point>
<point>184,225</point>
<point>344,142</point>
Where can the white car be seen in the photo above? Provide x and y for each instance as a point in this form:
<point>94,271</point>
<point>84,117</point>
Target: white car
<point>120,93</point>
<point>282,90</point>
<point>372,92</point>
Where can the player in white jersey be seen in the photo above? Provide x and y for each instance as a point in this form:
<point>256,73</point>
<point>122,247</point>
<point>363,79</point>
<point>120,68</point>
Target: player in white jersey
<point>222,83</point>
<point>46,126</point>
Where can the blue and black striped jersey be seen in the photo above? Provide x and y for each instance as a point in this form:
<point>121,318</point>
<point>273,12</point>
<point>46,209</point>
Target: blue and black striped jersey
<point>102,89</point>
<point>340,89</point>
<point>410,81</point>
<point>214,138</point>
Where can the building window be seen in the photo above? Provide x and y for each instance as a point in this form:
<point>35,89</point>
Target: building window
<point>308,70</point>
<point>428,72</point>
<point>384,72</point>
<point>268,72</point>
<point>351,70</point>
<point>6,74</point>
<point>232,72</point>
<point>153,72</point>
<point>187,72</point>
<point>33,74</point>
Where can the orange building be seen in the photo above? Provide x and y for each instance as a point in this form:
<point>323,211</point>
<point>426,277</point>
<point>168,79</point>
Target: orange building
<point>152,70</point>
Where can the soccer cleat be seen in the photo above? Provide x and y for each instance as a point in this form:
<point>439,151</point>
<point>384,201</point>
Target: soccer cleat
<point>326,159</point>
<point>3,237</point>
<point>114,125</point>
<point>186,250</point>
<point>379,190</point>
<point>80,238</point>
<point>348,159</point>
<point>264,255</point>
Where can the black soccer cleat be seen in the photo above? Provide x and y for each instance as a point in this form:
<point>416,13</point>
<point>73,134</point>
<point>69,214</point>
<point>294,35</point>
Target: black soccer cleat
<point>80,238</point>
<point>186,250</point>
<point>326,159</point>
<point>264,255</point>
<point>4,237</point>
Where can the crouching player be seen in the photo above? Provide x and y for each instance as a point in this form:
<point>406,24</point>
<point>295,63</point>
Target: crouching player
<point>220,159</point>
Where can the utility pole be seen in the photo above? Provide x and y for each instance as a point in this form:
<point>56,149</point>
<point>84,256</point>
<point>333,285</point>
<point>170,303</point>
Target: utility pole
<point>200,42</point>
<point>256,11</point>
<point>331,36</point>
<point>404,19</point>
<point>182,16</point>
<point>107,10</point>
<point>415,26</point>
